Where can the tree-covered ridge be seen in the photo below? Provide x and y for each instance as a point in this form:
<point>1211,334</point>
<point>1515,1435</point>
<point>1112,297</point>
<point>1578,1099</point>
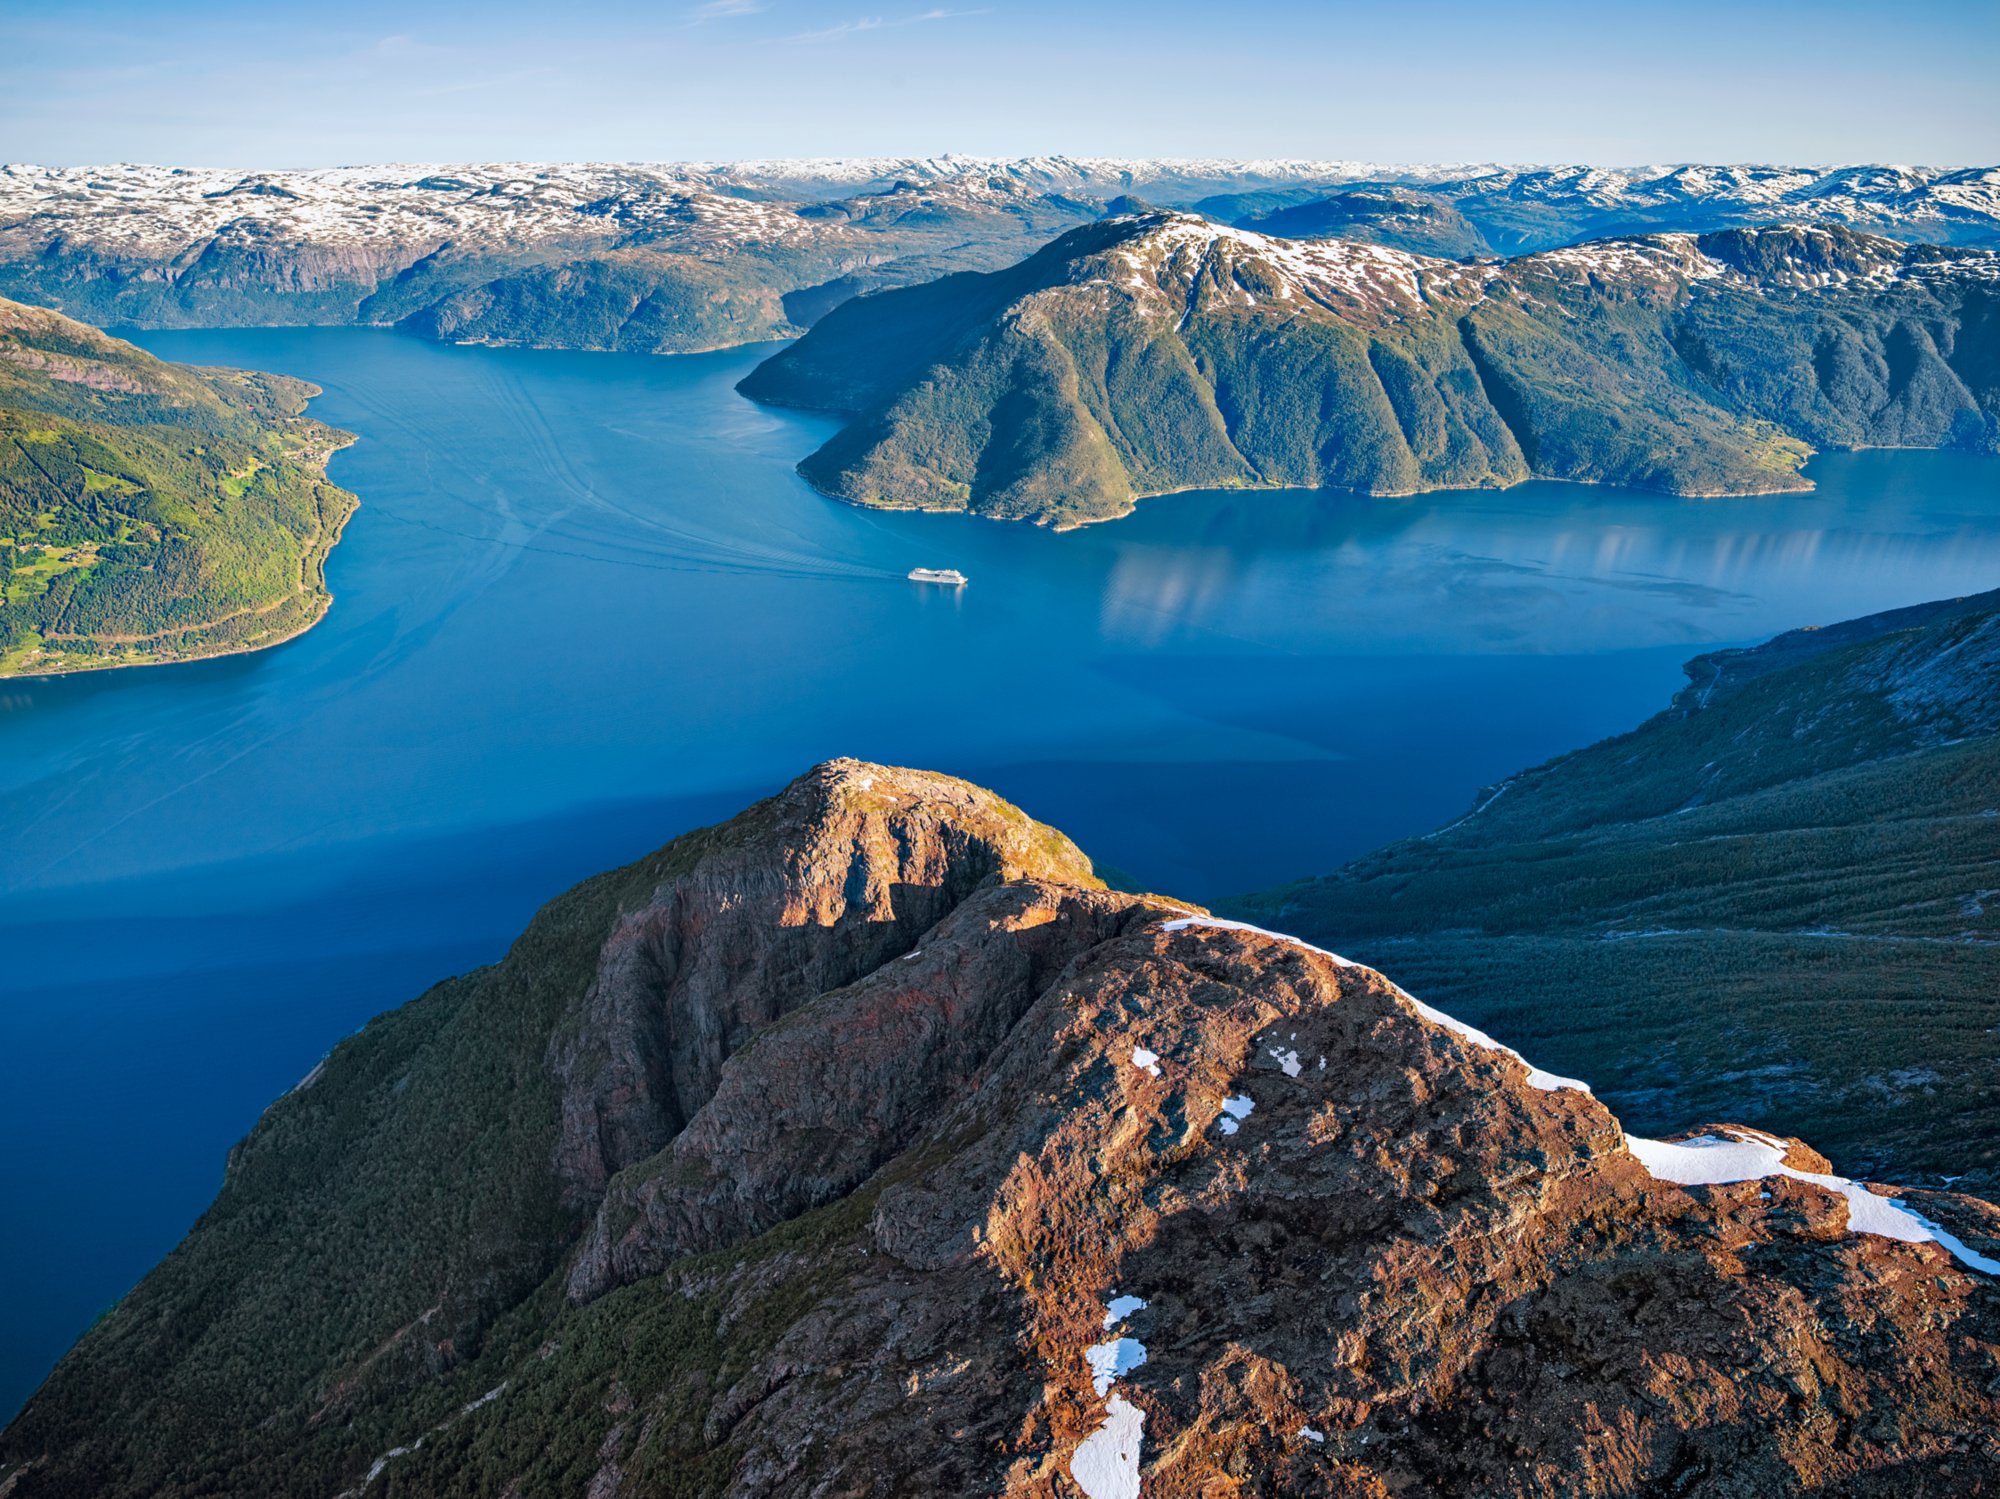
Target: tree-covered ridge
<point>152,512</point>
<point>1776,898</point>
<point>1162,351</point>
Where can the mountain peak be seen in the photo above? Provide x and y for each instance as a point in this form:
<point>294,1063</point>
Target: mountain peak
<point>971,1176</point>
<point>1183,256</point>
<point>834,876</point>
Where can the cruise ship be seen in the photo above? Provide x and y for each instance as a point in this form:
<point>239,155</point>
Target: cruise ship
<point>950,575</point>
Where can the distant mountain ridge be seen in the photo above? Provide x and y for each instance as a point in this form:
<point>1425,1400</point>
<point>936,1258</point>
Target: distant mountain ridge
<point>1163,351</point>
<point>1525,209</point>
<point>1397,217</point>
<point>672,257</point>
<point>591,257</point>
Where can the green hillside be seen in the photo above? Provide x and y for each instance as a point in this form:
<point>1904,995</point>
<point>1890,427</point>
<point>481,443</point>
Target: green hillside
<point>1779,901</point>
<point>1162,352</point>
<point>152,512</point>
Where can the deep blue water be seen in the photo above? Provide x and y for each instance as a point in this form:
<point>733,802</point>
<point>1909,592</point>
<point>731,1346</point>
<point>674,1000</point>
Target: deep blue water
<point>587,604</point>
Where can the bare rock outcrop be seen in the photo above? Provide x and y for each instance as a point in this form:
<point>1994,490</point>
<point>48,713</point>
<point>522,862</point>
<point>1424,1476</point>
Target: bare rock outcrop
<point>833,1090</point>
<point>855,864</point>
<point>1374,1258</point>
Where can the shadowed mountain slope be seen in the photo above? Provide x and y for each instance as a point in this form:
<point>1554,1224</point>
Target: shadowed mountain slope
<point>1774,901</point>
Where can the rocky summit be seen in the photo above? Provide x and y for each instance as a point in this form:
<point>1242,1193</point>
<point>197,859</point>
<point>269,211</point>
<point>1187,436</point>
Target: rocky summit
<point>869,1145</point>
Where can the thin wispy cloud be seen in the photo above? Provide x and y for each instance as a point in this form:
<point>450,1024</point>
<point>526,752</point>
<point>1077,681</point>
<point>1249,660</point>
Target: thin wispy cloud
<point>845,28</point>
<point>722,10</point>
<point>878,23</point>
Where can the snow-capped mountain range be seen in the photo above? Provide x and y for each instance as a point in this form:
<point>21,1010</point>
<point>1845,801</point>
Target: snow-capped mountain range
<point>745,201</point>
<point>687,255</point>
<point>1181,263</point>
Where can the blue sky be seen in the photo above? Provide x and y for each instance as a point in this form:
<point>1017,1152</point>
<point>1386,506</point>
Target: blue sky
<point>223,83</point>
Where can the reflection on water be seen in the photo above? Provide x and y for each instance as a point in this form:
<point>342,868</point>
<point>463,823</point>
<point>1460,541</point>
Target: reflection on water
<point>587,603</point>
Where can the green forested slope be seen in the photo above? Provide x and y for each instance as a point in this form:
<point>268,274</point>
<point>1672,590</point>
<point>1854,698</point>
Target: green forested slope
<point>1161,352</point>
<point>1778,902</point>
<point>150,511</point>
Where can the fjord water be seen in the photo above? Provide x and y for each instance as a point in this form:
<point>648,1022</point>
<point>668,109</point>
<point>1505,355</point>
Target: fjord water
<point>587,604</point>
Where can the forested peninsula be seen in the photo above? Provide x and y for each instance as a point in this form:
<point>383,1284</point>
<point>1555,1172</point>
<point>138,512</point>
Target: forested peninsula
<point>153,512</point>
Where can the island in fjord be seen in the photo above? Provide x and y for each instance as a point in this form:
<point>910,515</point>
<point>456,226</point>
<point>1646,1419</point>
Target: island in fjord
<point>153,512</point>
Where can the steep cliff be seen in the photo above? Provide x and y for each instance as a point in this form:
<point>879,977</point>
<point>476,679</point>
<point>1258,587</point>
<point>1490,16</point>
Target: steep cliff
<point>866,1144</point>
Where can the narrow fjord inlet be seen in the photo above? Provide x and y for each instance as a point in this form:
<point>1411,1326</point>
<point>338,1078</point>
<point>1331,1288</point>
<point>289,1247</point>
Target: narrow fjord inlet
<point>1292,789</point>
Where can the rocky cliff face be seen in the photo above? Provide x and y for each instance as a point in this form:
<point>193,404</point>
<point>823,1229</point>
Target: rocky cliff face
<point>856,866</point>
<point>882,1151</point>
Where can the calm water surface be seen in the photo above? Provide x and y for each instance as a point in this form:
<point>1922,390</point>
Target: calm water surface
<point>587,604</point>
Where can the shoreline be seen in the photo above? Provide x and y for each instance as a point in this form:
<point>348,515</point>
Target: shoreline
<point>1807,487</point>
<point>320,597</point>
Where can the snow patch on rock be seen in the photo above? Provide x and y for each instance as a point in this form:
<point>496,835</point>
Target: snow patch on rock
<point>1745,1155</point>
<point>1547,1082</point>
<point>1111,1360</point>
<point>1105,1464</point>
<point>1120,1307</point>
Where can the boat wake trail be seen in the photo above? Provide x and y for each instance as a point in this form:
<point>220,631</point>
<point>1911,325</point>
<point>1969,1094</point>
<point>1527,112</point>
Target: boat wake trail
<point>545,503</point>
